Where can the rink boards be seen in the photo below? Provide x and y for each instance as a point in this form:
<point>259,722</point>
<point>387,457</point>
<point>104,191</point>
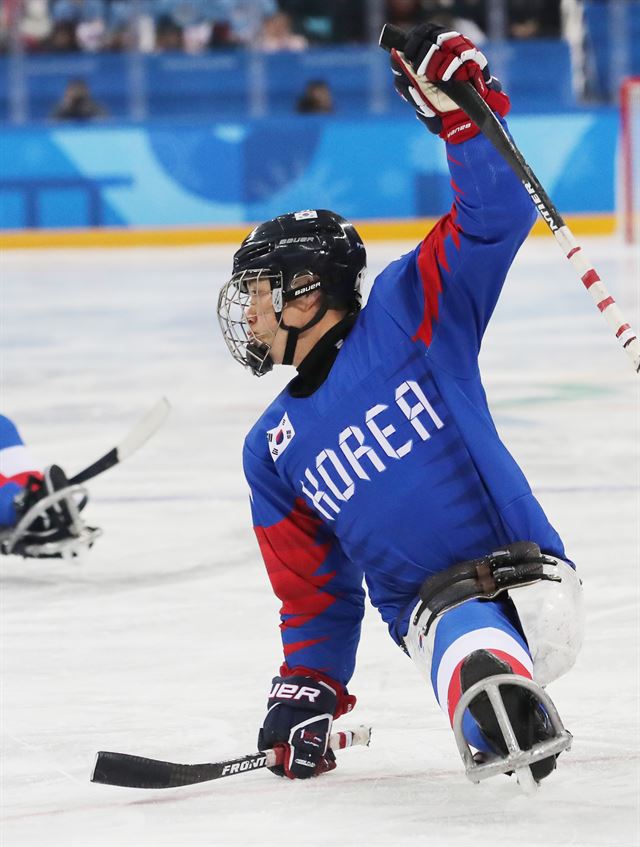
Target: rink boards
<point>206,183</point>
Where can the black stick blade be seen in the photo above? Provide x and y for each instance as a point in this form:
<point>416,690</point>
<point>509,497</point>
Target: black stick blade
<point>139,772</point>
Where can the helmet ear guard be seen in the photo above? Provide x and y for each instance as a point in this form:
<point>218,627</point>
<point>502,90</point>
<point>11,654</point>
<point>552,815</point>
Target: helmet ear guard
<point>294,292</point>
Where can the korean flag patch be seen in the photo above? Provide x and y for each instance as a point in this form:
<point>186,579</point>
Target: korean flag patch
<point>305,215</point>
<point>280,437</point>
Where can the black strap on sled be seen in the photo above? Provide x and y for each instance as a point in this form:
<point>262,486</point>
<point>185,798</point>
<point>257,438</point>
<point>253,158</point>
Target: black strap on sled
<point>517,564</point>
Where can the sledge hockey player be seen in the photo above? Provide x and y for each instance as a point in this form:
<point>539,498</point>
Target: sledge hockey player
<point>39,512</point>
<point>380,459</point>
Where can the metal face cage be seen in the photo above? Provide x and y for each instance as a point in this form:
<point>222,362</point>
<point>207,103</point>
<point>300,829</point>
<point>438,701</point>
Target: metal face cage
<point>237,296</point>
<point>241,294</point>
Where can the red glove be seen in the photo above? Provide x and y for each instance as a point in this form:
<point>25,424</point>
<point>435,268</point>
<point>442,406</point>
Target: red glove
<point>434,54</point>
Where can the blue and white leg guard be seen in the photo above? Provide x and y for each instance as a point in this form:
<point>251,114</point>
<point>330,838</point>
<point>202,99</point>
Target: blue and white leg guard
<point>453,619</point>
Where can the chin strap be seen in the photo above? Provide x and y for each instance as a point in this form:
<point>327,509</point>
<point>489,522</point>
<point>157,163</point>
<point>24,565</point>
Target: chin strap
<point>292,339</point>
<point>294,332</point>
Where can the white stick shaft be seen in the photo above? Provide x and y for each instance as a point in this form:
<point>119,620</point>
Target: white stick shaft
<point>151,422</point>
<point>360,736</point>
<point>599,294</point>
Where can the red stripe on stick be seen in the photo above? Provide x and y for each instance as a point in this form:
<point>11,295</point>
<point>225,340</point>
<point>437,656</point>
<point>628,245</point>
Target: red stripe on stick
<point>573,252</point>
<point>622,329</point>
<point>342,741</point>
<point>590,277</point>
<point>604,304</point>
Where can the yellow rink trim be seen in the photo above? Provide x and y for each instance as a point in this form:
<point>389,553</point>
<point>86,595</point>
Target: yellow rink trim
<point>411,229</point>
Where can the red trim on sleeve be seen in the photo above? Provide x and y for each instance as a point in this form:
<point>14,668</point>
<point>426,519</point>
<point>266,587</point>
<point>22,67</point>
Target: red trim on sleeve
<point>293,557</point>
<point>432,259</point>
<point>300,645</point>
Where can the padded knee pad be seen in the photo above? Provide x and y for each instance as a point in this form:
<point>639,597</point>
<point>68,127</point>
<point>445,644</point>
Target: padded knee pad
<point>552,618</point>
<point>544,590</point>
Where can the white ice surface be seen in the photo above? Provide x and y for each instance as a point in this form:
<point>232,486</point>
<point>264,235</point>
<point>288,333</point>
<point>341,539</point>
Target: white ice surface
<point>164,640</point>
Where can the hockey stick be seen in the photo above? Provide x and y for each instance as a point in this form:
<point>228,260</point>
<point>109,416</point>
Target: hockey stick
<point>139,772</point>
<point>141,433</point>
<point>464,94</point>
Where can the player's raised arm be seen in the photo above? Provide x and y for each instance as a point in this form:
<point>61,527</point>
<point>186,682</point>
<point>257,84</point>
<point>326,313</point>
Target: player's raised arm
<point>461,265</point>
<point>489,197</point>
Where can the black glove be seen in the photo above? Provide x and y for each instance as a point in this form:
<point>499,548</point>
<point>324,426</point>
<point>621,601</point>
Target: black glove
<point>301,711</point>
<point>434,54</point>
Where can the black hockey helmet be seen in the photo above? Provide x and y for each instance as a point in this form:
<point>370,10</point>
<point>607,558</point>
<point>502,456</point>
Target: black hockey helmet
<point>297,253</point>
<point>315,242</point>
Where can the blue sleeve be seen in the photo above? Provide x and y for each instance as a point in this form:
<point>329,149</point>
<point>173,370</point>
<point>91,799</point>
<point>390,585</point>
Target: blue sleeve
<point>9,487</point>
<point>320,589</point>
<point>9,435</point>
<point>8,491</point>
<point>444,292</point>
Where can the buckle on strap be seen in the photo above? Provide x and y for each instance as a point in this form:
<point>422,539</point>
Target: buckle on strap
<point>516,759</point>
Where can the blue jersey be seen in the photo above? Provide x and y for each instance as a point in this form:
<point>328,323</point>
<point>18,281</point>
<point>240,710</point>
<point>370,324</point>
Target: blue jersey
<point>393,469</point>
<point>16,466</point>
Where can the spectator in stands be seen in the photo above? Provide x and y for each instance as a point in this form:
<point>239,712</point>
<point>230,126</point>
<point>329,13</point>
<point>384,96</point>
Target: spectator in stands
<point>169,36</point>
<point>277,34</point>
<point>77,103</point>
<point>238,23</point>
<point>404,13</point>
<point>78,10</point>
<point>197,37</point>
<point>92,35</point>
<point>36,24</point>
<point>222,35</point>
<point>471,10</point>
<point>452,19</point>
<point>315,99</point>
<point>246,18</point>
<point>328,21</point>
<point>130,27</point>
<point>192,18</point>
<point>62,39</point>
<point>217,23</point>
<point>88,17</point>
<point>533,18</point>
